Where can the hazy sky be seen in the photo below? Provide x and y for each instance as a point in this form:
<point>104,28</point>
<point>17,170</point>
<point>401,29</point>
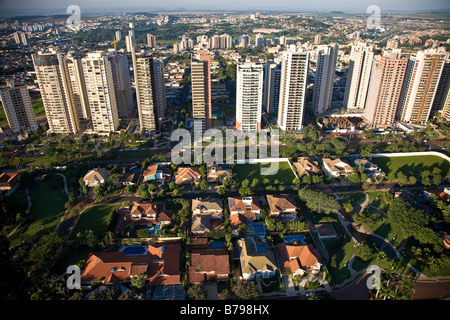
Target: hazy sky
<point>27,6</point>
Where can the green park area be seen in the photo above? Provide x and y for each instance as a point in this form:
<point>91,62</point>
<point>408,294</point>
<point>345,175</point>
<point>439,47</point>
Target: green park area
<point>412,165</point>
<point>47,207</point>
<point>96,218</point>
<point>284,174</point>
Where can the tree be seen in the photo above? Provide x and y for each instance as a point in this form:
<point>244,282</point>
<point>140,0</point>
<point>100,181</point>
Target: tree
<point>318,201</point>
<point>426,181</point>
<point>204,185</point>
<point>196,292</point>
<point>221,190</point>
<point>42,253</point>
<point>143,191</point>
<point>347,206</point>
<point>245,290</point>
<point>99,193</point>
<point>364,252</point>
<point>138,281</point>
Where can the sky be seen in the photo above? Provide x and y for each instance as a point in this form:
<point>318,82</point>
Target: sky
<point>48,7</point>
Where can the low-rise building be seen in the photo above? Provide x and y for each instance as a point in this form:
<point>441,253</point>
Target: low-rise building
<point>256,259</point>
<point>217,172</point>
<point>8,180</point>
<point>187,175</point>
<point>299,258</point>
<point>281,205</point>
<point>96,177</point>
<point>209,264</point>
<point>207,215</point>
<point>157,173</point>
<point>370,168</point>
<point>336,168</point>
<point>243,209</point>
<point>306,166</point>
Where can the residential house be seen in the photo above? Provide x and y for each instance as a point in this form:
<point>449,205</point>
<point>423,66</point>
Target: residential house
<point>187,175</point>
<point>306,166</point>
<point>207,215</point>
<point>130,178</point>
<point>336,168</point>
<point>217,172</point>
<point>96,177</point>
<point>299,258</point>
<point>157,173</point>
<point>370,168</point>
<point>256,259</point>
<point>143,214</point>
<point>209,264</point>
<point>160,265</point>
<point>243,209</point>
<point>8,180</point>
<point>281,205</point>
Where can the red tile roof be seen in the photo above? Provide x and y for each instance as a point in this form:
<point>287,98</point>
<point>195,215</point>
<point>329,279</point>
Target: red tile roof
<point>160,266</point>
<point>206,264</point>
<point>298,256</point>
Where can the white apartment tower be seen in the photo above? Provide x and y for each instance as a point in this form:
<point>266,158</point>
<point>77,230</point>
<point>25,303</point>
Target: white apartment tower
<point>100,89</point>
<point>201,88</point>
<point>421,81</point>
<point>358,75</point>
<point>294,74</point>
<point>18,109</point>
<point>249,92</point>
<point>324,79</point>
<point>57,96</point>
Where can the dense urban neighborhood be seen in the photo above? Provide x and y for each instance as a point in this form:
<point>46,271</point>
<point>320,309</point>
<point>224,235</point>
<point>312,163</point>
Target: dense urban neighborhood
<point>100,199</point>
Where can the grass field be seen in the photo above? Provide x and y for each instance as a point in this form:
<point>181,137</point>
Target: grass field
<point>47,207</point>
<point>95,218</point>
<point>412,165</point>
<point>252,171</point>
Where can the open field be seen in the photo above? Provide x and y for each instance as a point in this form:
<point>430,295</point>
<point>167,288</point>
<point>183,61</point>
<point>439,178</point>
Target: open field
<point>252,171</point>
<point>46,209</point>
<point>96,218</point>
<point>412,165</point>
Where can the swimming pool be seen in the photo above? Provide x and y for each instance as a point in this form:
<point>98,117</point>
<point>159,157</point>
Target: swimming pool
<point>294,238</point>
<point>258,228</point>
<point>262,248</point>
<point>133,250</point>
<point>216,244</point>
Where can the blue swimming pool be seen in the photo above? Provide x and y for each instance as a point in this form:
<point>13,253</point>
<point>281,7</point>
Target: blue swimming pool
<point>134,250</point>
<point>216,244</point>
<point>295,238</point>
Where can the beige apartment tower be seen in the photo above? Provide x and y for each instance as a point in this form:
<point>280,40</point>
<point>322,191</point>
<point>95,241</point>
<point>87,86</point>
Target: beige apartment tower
<point>56,90</point>
<point>150,91</point>
<point>100,90</point>
<point>77,82</point>
<point>324,79</point>
<point>18,109</point>
<point>385,87</point>
<point>294,75</point>
<point>201,88</point>
<point>419,89</point>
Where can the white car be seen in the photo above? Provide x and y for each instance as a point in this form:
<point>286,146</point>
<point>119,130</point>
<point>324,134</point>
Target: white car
<point>310,294</point>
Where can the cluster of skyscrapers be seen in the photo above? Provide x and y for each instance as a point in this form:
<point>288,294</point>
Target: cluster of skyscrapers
<point>97,86</point>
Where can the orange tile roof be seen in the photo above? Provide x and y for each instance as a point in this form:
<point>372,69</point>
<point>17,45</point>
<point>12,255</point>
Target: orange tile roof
<point>210,262</point>
<point>191,173</point>
<point>160,266</point>
<point>296,256</point>
<point>281,203</point>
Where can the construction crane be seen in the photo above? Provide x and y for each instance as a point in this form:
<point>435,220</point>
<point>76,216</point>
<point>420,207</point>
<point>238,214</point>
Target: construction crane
<point>114,42</point>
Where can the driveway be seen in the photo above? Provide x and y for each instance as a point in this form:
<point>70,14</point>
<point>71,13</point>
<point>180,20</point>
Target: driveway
<point>211,290</point>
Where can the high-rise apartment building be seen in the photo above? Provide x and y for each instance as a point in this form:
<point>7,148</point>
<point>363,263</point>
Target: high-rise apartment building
<point>77,82</point>
<point>294,75</point>
<point>201,88</point>
<point>385,87</point>
<point>150,95</point>
<point>249,92</point>
<point>324,78</point>
<point>57,96</point>
<point>18,109</point>
<point>129,42</point>
<point>118,35</point>
<point>151,41</point>
<point>259,40</point>
<point>442,90</point>
<point>122,82</point>
<point>419,89</point>
<point>271,90</point>
<point>445,113</point>
<point>100,89</point>
<point>225,41</point>
<point>358,74</point>
<point>244,41</point>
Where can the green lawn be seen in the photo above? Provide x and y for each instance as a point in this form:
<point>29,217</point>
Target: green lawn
<point>412,165</point>
<point>356,197</point>
<point>96,218</point>
<point>46,209</point>
<point>251,171</point>
<point>343,249</point>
